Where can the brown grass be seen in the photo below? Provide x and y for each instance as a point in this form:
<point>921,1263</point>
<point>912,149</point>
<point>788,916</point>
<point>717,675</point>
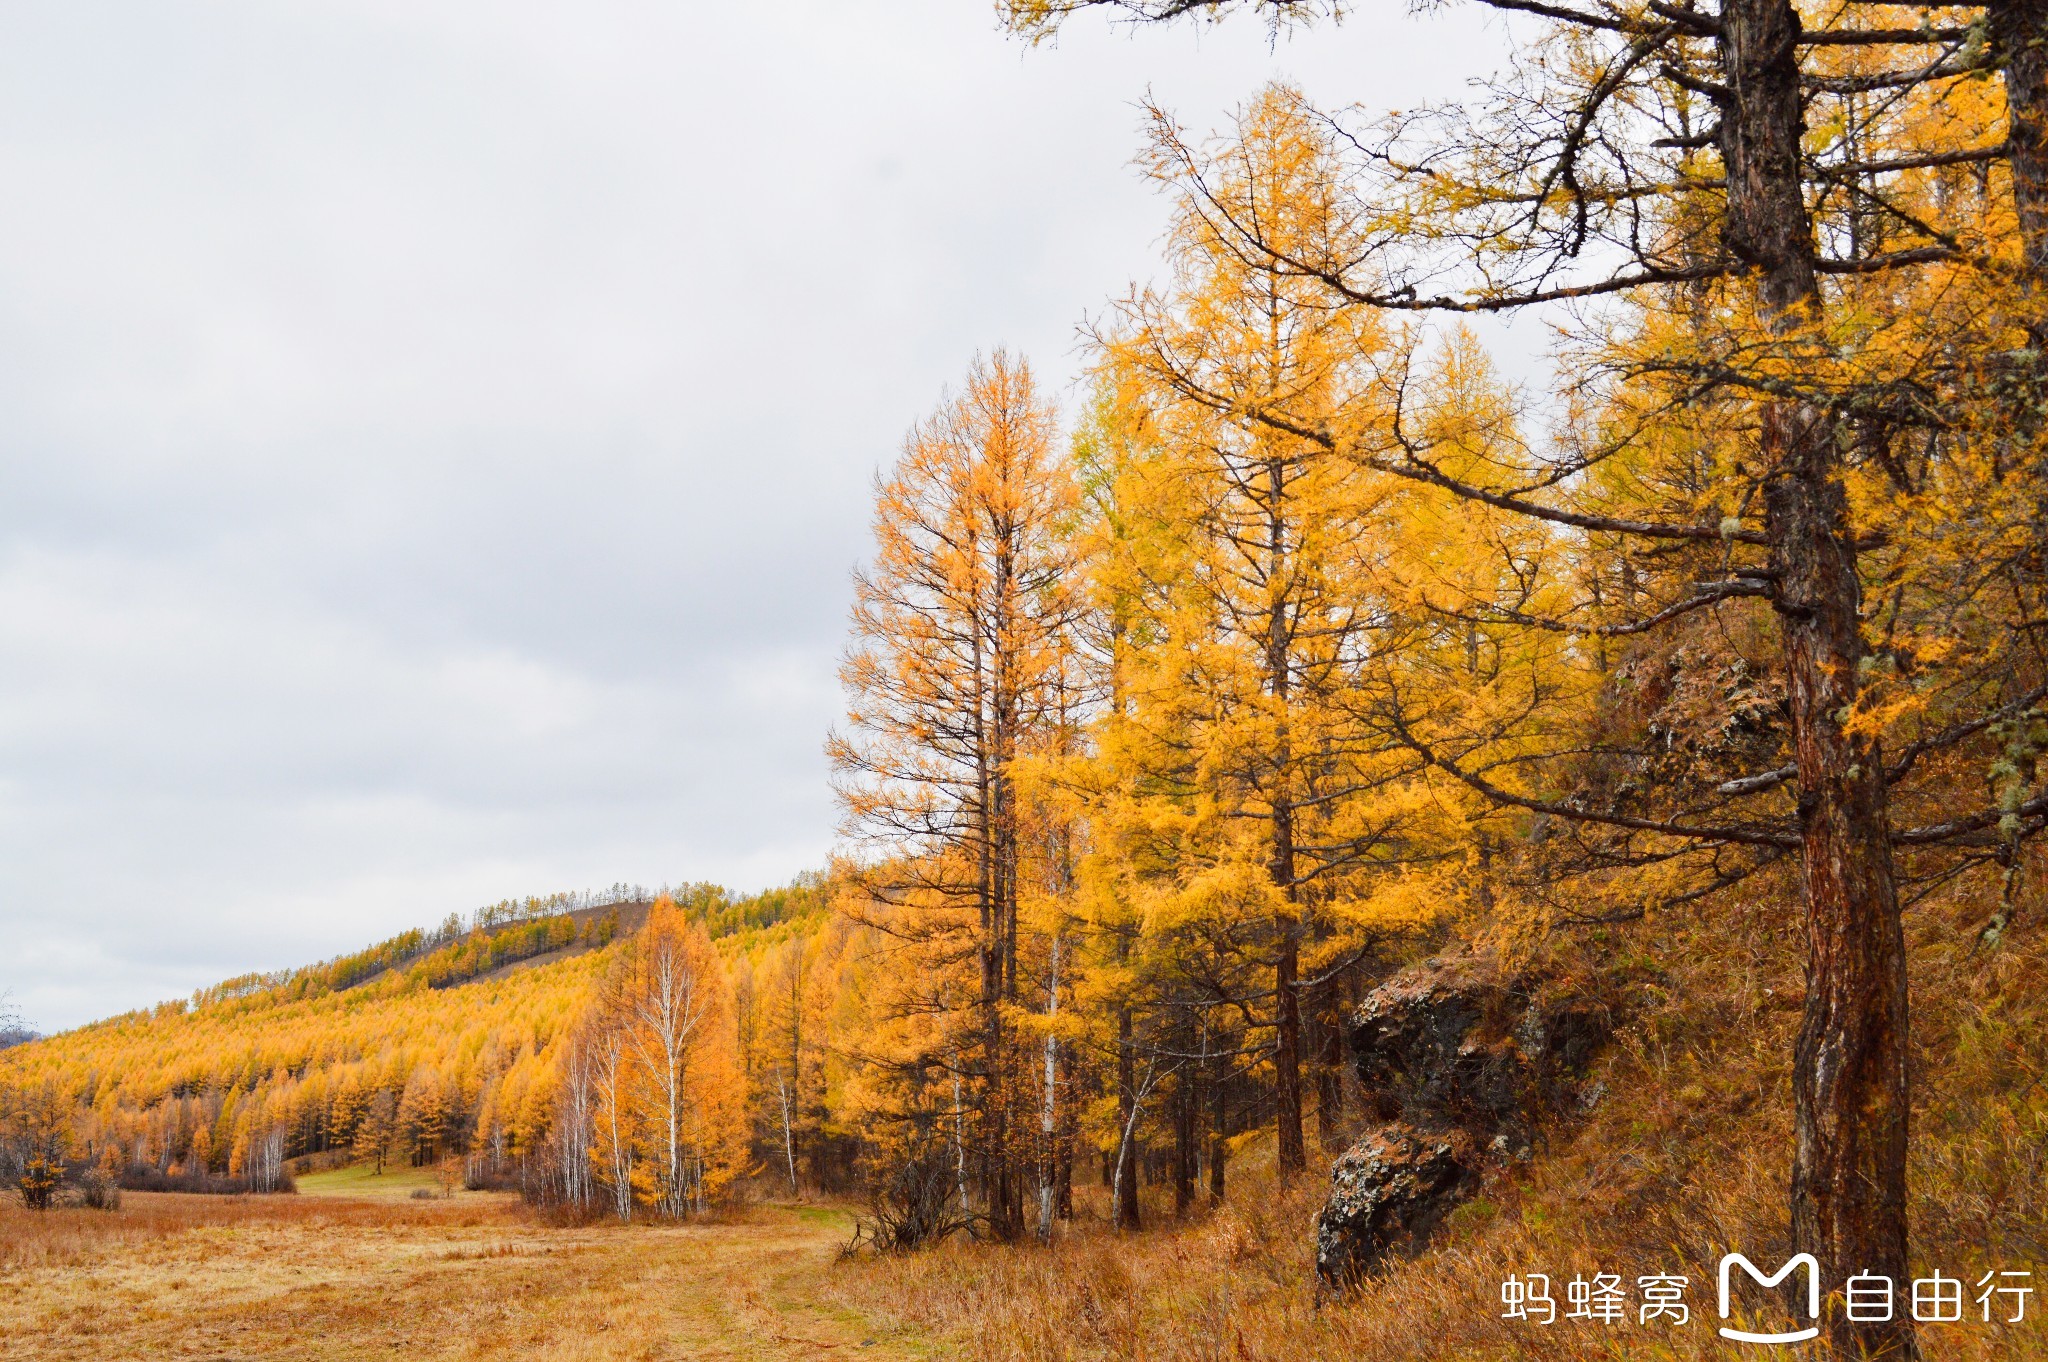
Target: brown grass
<point>171,1276</point>
<point>1686,1157</point>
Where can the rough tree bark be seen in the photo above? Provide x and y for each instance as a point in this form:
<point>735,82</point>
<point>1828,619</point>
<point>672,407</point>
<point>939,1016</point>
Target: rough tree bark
<point>2020,30</point>
<point>1849,1068</point>
<point>1287,1048</point>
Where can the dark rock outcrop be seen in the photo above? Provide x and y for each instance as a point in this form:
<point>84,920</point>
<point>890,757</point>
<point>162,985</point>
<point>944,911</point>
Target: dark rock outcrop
<point>1462,1061</point>
<point>1454,1043</point>
<point>1388,1192</point>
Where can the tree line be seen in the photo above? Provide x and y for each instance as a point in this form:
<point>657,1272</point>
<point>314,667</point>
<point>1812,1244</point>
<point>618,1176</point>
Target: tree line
<point>1319,633</point>
<point>538,1078</point>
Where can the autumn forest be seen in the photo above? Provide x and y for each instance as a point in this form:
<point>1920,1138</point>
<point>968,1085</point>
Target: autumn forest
<point>1329,826</point>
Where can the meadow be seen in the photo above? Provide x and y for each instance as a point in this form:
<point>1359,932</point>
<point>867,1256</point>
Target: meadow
<point>373,1274</point>
<point>1684,1154</point>
<point>357,1268</point>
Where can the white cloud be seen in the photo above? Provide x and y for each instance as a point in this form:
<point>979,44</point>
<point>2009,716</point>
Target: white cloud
<point>437,435</point>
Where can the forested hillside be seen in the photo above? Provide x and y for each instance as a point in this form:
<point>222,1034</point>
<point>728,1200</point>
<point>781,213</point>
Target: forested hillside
<point>435,1044</point>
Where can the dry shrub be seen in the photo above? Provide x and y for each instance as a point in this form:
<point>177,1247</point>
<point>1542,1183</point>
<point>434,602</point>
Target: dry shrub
<point>324,1161</point>
<point>148,1178</point>
<point>99,1191</point>
<point>912,1205</point>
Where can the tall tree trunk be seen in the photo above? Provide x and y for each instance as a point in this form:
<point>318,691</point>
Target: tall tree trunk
<point>793,1100</point>
<point>997,889</point>
<point>1330,1067</point>
<point>788,1139</point>
<point>1063,1160</point>
<point>2020,29</point>
<point>1184,1099</point>
<point>959,1139</point>
<point>1124,1186</point>
<point>1287,1049</point>
<point>1849,1066</point>
<point>1219,1130</point>
<point>1048,1114</point>
<point>1280,685</point>
<point>989,1160</point>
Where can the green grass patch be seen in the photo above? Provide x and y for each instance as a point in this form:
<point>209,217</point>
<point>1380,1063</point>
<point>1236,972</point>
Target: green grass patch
<point>823,1215</point>
<point>363,1179</point>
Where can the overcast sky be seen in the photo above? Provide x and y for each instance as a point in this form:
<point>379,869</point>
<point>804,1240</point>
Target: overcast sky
<point>438,434</point>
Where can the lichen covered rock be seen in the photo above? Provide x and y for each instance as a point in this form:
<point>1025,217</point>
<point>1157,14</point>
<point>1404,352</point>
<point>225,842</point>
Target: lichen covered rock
<point>1388,1192</point>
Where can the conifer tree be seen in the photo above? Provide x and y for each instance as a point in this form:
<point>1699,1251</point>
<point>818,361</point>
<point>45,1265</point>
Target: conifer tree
<point>952,673</point>
<point>1772,167</point>
<point>1238,735</point>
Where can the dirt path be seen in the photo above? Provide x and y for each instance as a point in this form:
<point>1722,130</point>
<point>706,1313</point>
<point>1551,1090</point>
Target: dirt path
<point>333,1278</point>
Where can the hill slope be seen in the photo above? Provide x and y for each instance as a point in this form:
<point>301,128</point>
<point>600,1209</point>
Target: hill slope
<point>434,1042</point>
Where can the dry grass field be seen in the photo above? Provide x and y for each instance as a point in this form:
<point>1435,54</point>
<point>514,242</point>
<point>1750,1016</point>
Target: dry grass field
<point>472,1277</point>
<point>1685,1158</point>
<point>379,1276</point>
<point>1233,1287</point>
